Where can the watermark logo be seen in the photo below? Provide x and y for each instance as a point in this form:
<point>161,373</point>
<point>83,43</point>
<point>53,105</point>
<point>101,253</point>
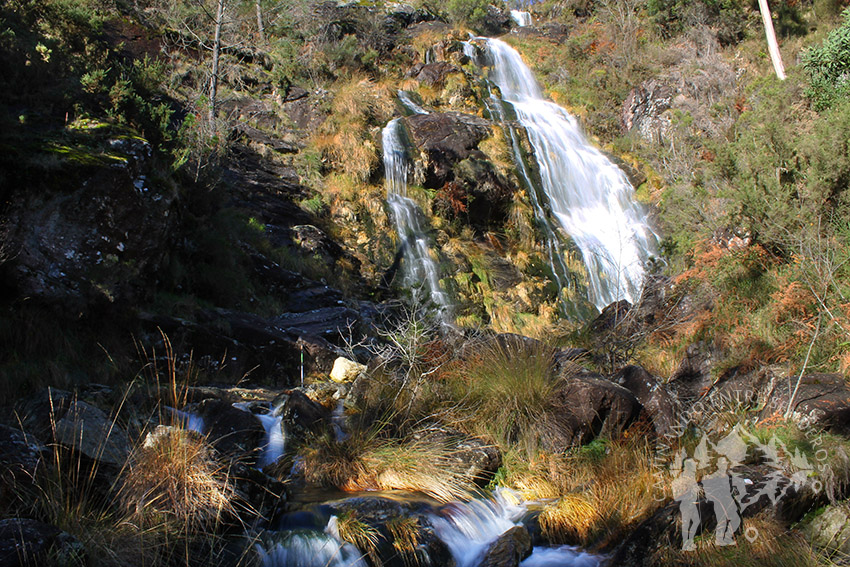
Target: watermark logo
<point>711,476</point>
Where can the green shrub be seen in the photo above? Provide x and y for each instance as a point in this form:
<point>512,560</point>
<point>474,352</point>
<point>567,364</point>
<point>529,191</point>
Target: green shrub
<point>828,66</point>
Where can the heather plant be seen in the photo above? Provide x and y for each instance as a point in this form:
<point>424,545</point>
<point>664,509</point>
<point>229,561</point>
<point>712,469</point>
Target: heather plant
<point>828,66</point>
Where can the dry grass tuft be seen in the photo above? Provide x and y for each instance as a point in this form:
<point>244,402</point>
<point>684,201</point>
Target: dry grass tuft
<point>173,478</point>
<point>360,534</point>
<point>405,537</point>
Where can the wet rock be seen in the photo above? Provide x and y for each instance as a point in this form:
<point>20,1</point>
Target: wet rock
<point>90,431</point>
<point>509,549</point>
<point>264,495</point>
<point>233,432</point>
<point>325,322</point>
<point>346,370</point>
<point>587,408</point>
<point>474,457</point>
<point>26,543</point>
<point>445,139</point>
<point>382,513</point>
<point>652,396</point>
<point>822,400</point>
<point>300,414</point>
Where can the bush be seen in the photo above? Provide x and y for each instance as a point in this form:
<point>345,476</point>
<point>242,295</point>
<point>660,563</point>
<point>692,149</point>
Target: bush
<point>828,66</point>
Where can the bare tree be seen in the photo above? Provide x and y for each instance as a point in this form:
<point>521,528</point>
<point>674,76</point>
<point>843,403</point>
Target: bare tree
<point>772,45</point>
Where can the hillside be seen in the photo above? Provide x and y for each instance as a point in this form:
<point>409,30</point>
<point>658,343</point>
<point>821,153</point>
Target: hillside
<point>410,268</point>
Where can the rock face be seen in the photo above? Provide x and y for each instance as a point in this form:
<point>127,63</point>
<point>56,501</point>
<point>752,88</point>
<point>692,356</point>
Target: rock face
<point>831,529</point>
<point>822,400</point>
<point>644,110</point>
<point>445,139</point>
<point>100,237</point>
<point>589,407</point>
<point>20,456</point>
<point>509,549</point>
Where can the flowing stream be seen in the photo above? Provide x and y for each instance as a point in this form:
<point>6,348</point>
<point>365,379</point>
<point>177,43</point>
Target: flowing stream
<point>589,196</point>
<point>521,18</point>
<point>420,269</point>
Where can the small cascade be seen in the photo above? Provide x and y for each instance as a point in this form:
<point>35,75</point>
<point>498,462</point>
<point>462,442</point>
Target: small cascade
<point>187,420</point>
<point>275,442</point>
<point>407,102</point>
<point>338,421</point>
<point>522,19</point>
<point>563,556</point>
<point>468,528</point>
<point>588,195</point>
<point>309,549</point>
<point>420,267</point>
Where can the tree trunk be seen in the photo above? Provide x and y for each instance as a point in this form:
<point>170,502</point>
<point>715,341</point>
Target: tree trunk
<point>772,46</point>
<point>260,26</point>
<point>219,18</point>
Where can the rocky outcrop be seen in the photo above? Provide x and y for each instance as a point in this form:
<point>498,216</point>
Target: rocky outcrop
<point>301,415</point>
<point>644,110</point>
<point>445,139</point>
<point>100,237</point>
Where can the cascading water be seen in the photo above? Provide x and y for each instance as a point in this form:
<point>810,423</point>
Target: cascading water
<point>275,442</point>
<point>590,196</point>
<point>420,268</point>
<point>521,18</point>
<point>310,549</point>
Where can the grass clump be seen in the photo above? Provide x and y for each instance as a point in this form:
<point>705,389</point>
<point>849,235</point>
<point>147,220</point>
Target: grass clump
<point>507,388</point>
<point>174,479</point>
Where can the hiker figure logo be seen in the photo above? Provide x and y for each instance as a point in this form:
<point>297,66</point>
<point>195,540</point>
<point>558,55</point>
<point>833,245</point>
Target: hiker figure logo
<point>710,477</point>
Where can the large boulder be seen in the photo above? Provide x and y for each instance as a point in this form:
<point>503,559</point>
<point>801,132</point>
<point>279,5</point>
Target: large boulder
<point>345,370</point>
<point>301,415</point>
<point>21,456</point>
<point>90,430</point>
<point>651,394</point>
<point>830,530</point>
<point>588,407</point>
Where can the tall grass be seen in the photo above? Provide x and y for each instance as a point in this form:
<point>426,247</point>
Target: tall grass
<point>506,388</point>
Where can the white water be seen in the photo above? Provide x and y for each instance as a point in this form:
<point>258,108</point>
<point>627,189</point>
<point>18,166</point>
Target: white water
<point>468,529</point>
<point>404,98</point>
<point>313,549</point>
<point>338,422</point>
<point>188,420</point>
<point>590,196</point>
<point>275,442</point>
<point>521,18</point>
<point>420,269</point>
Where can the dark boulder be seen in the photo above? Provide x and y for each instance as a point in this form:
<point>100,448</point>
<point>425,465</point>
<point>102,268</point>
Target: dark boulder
<point>21,455</point>
<point>432,74</point>
<point>651,394</point>
<point>694,375</point>
<point>234,433</point>
<point>587,407</point>
<point>26,543</point>
<point>301,415</point>
<point>509,549</point>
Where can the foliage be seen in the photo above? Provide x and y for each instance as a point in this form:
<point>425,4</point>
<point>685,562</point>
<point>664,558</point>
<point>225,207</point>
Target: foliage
<point>467,12</point>
<point>675,16</point>
<point>828,65</point>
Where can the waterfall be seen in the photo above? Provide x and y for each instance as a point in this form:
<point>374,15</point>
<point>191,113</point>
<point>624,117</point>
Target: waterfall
<point>275,443</point>
<point>309,549</point>
<point>469,528</point>
<point>420,267</point>
<point>404,98</point>
<point>521,18</point>
<point>588,195</point>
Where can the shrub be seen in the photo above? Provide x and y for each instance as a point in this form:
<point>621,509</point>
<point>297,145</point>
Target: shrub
<point>828,66</point>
